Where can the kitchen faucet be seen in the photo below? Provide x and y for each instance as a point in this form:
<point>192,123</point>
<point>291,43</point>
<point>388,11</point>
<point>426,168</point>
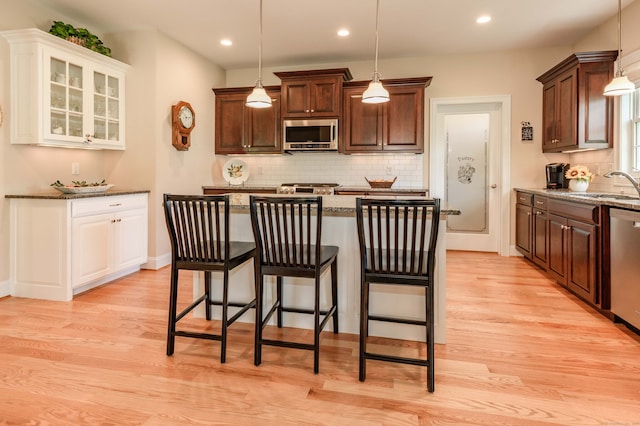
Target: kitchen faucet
<point>631,179</point>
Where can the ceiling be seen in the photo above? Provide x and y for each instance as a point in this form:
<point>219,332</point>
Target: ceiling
<point>304,31</point>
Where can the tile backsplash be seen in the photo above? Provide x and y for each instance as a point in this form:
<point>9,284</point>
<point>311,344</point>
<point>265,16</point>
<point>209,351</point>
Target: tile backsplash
<point>346,170</point>
<point>599,163</point>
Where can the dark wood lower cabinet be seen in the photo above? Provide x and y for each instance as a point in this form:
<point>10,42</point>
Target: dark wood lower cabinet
<point>557,254</point>
<point>567,242</point>
<point>540,221</point>
<point>582,260</point>
<point>524,241</point>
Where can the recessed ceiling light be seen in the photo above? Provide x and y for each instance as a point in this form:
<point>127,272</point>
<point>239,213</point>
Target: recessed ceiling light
<point>483,19</point>
<point>226,42</point>
<point>343,32</point>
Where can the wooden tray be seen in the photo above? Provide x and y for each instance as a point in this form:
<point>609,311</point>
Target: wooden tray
<point>381,183</point>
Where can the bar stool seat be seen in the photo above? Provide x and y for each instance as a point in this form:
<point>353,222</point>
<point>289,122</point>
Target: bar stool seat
<point>198,228</point>
<point>397,247</point>
<point>287,232</point>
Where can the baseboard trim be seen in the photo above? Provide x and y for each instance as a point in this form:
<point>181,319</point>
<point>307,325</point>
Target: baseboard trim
<point>5,288</point>
<point>157,262</point>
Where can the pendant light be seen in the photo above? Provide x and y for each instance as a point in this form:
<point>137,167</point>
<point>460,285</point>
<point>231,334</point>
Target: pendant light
<point>258,97</point>
<point>375,93</point>
<point>620,85</point>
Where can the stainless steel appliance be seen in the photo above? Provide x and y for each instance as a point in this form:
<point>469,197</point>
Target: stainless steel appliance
<point>310,135</point>
<point>555,175</point>
<point>307,188</point>
<point>625,268</point>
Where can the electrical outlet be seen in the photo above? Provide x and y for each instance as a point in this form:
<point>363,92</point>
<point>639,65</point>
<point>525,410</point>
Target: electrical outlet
<point>389,170</point>
<point>75,168</point>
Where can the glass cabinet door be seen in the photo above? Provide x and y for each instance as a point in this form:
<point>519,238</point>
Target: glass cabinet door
<point>66,99</point>
<point>106,107</point>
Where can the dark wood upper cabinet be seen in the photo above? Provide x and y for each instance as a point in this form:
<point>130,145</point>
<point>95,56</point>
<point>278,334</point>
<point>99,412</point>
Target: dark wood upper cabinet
<point>243,130</point>
<point>313,94</point>
<point>394,126</point>
<point>575,113</point>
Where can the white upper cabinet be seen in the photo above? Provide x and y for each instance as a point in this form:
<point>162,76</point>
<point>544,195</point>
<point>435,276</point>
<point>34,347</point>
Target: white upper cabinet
<point>63,94</point>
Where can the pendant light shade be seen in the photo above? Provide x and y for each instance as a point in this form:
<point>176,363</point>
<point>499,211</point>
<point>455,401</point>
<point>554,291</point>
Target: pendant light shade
<point>375,93</point>
<point>258,97</point>
<point>620,85</point>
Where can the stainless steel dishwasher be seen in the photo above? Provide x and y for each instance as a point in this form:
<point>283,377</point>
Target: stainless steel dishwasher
<point>625,265</point>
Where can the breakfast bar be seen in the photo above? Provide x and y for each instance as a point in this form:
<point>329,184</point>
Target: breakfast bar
<point>339,228</point>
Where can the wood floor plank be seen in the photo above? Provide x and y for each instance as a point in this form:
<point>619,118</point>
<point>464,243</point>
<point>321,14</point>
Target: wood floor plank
<point>520,350</point>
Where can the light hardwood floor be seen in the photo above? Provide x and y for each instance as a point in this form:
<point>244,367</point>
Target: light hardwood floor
<point>520,351</point>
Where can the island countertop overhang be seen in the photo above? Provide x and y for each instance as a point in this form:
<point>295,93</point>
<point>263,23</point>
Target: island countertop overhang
<point>332,205</point>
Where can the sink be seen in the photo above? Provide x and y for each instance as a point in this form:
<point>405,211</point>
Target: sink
<point>607,195</point>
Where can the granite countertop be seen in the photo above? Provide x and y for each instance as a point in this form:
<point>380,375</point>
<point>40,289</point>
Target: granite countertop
<point>242,187</point>
<point>332,205</point>
<point>382,190</point>
<point>609,199</point>
<point>56,195</point>
<point>249,188</point>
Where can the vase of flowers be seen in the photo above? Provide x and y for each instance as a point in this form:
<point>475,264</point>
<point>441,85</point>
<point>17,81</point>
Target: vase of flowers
<point>579,178</point>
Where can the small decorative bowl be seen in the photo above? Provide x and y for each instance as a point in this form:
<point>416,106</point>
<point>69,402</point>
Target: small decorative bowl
<point>381,183</point>
<point>83,189</point>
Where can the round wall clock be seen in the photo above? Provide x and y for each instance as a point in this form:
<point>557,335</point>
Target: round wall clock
<point>183,120</point>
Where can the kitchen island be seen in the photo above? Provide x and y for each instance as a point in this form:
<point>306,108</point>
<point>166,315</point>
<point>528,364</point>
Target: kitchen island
<point>339,228</point>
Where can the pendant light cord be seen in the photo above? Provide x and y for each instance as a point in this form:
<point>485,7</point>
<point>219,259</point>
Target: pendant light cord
<point>620,70</point>
<point>376,75</point>
<point>259,82</point>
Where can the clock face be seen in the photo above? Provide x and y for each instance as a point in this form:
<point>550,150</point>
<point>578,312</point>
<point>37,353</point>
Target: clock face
<point>186,117</point>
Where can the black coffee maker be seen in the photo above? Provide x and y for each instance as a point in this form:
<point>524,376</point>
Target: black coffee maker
<point>555,175</point>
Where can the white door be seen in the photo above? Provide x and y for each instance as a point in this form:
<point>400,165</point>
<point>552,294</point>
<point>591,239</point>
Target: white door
<point>468,171</point>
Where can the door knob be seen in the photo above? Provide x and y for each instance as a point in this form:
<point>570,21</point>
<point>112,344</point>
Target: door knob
<point>494,186</point>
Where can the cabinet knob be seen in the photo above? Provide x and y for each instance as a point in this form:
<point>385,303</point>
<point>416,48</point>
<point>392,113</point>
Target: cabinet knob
<point>539,213</point>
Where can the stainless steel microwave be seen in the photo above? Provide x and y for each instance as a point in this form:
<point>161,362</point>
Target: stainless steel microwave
<point>310,135</point>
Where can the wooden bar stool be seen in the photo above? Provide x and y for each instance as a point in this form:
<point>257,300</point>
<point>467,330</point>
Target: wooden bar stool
<point>287,231</point>
<point>397,247</point>
<point>199,232</point>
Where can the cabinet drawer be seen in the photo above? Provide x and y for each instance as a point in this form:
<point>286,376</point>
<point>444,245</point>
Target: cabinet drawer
<point>540,202</point>
<point>577,211</point>
<point>107,204</point>
<point>524,198</point>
